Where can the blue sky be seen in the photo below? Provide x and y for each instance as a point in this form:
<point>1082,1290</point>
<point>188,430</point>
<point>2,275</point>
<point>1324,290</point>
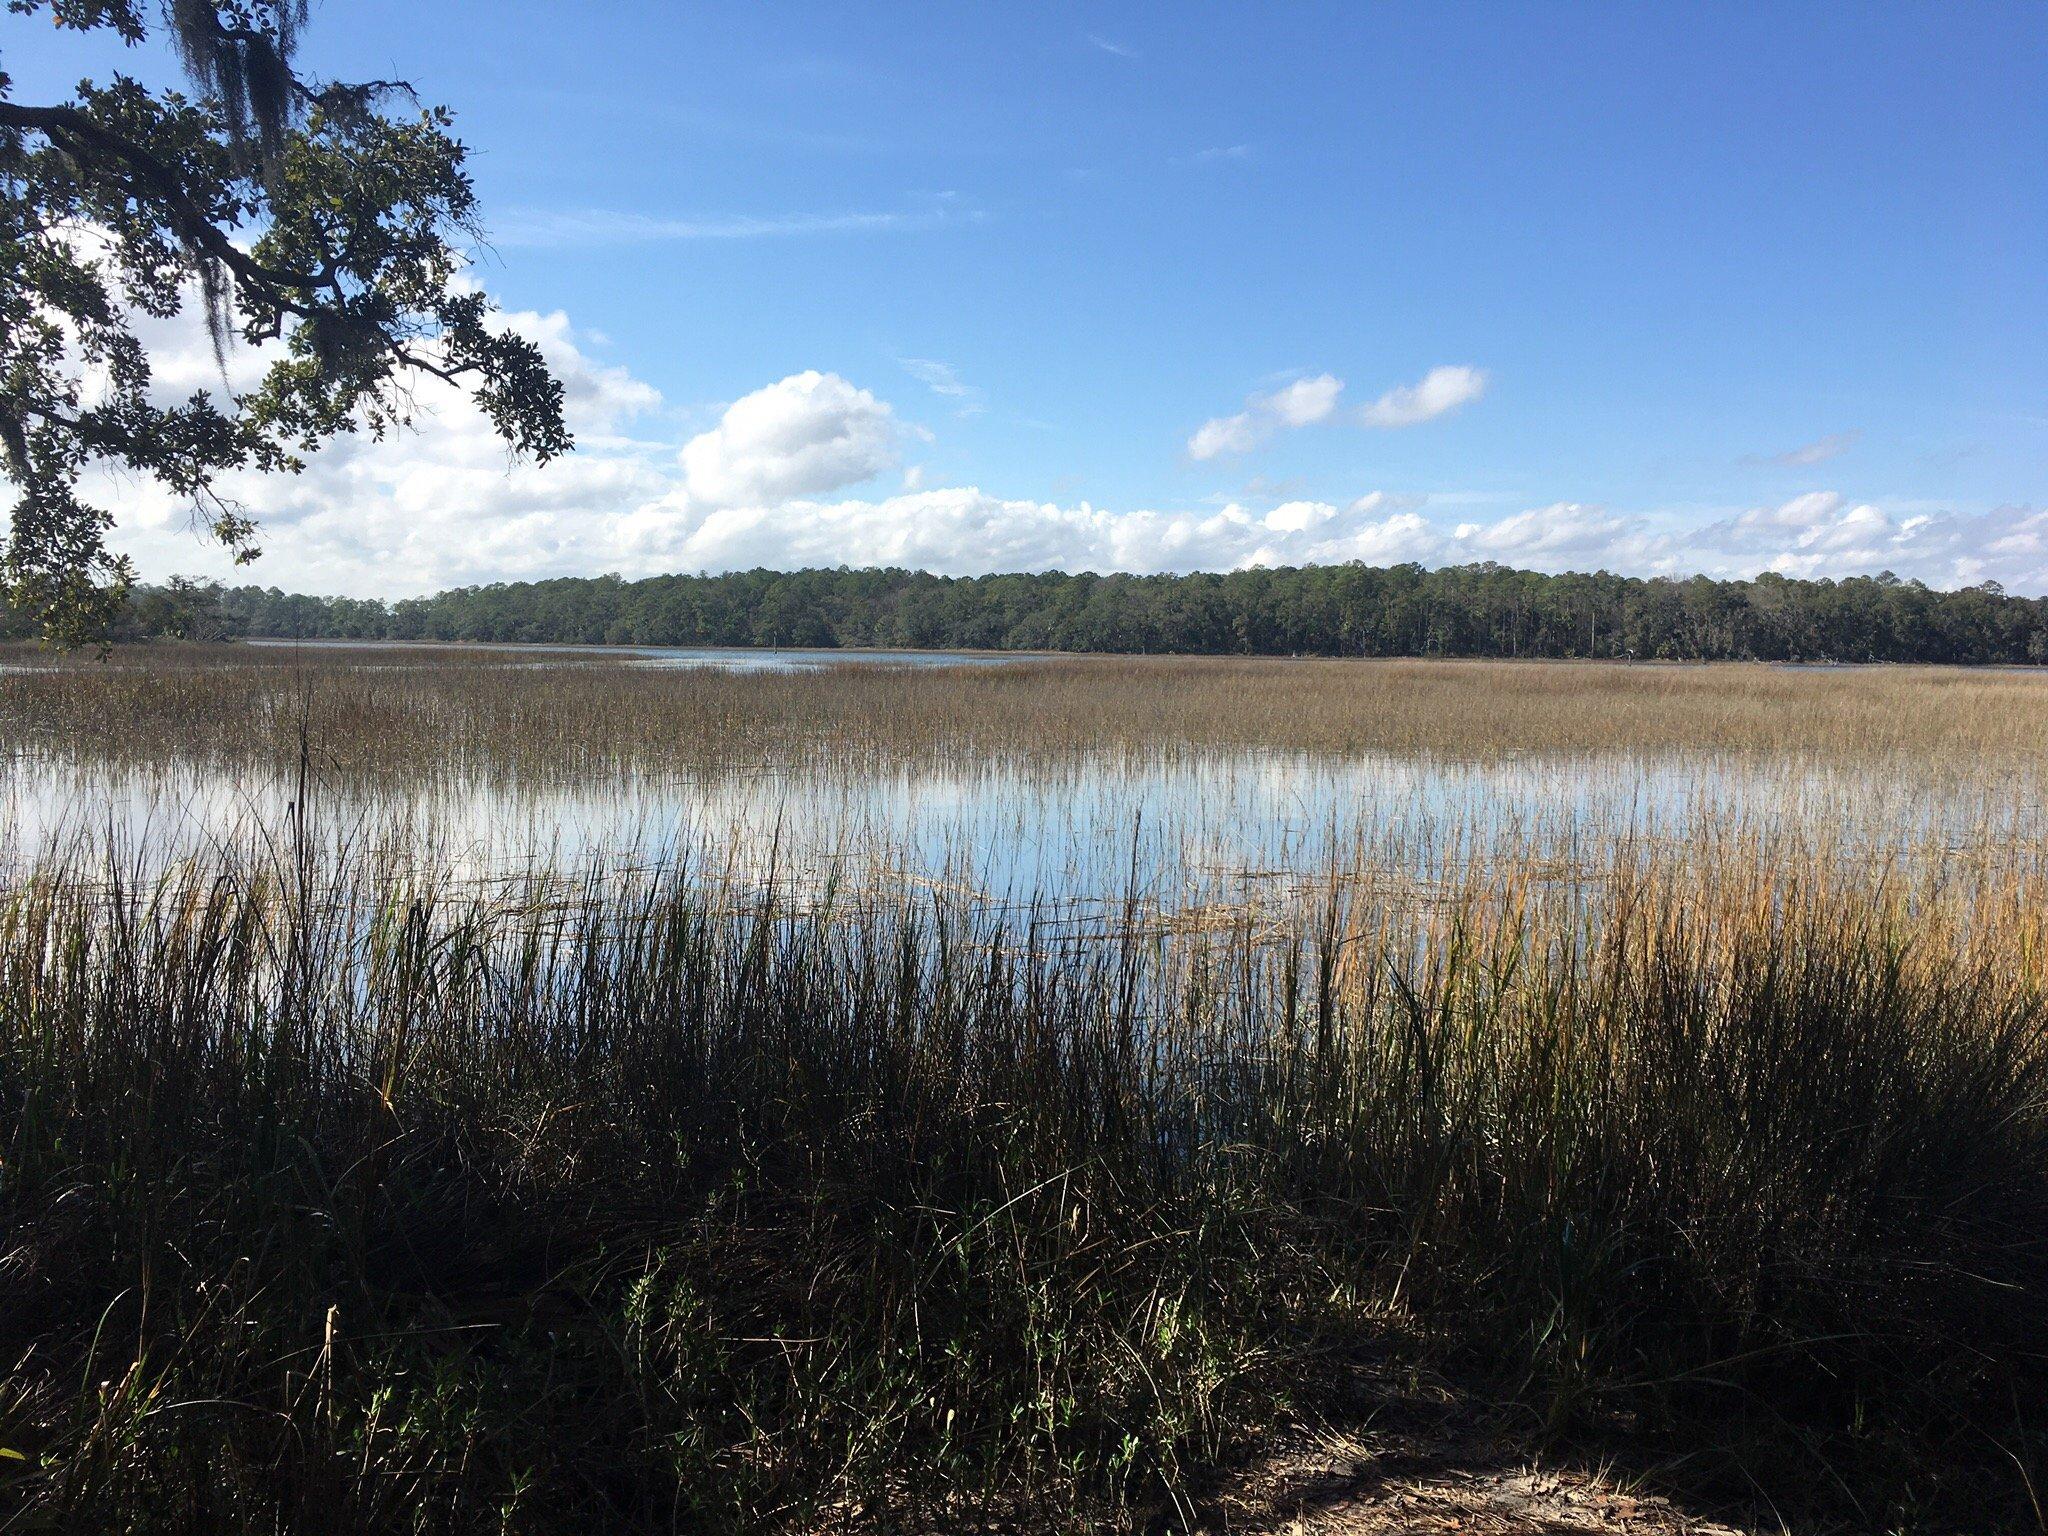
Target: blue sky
<point>1729,287</point>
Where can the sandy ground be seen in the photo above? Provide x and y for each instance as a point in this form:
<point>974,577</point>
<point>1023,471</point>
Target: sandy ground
<point>1333,1484</point>
<point>1418,1456</point>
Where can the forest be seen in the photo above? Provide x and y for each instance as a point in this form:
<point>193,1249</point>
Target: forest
<point>1337,610</point>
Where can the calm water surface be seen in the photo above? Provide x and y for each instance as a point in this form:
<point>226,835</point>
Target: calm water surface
<point>1179,830</point>
<point>721,658</point>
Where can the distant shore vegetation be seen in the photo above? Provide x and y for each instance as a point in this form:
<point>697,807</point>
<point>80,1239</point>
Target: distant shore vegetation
<point>1482,610</point>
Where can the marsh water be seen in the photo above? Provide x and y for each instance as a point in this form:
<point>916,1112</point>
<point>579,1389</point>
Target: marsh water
<point>718,658</point>
<point>1177,828</point>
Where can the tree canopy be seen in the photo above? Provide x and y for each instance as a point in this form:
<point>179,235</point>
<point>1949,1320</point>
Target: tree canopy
<point>327,222</point>
<point>1334,610</point>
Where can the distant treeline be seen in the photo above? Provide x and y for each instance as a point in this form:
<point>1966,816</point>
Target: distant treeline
<point>1335,610</point>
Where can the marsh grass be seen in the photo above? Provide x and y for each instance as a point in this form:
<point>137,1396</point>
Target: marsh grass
<point>336,1205</point>
<point>590,712</point>
<point>345,1188</point>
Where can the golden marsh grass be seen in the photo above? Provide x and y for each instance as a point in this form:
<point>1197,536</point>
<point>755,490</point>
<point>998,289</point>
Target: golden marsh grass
<point>1677,1078</point>
<point>577,711</point>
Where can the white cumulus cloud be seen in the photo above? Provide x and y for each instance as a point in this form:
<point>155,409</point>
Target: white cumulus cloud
<point>771,482</point>
<point>1308,401</point>
<point>1298,516</point>
<point>802,435</point>
<point>1441,391</point>
<point>1300,404</point>
<point>1544,535</point>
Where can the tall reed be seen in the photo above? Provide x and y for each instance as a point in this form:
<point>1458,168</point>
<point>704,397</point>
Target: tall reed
<point>344,1201</point>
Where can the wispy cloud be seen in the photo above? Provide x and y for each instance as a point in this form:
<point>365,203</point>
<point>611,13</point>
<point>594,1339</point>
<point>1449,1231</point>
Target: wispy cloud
<point>940,379</point>
<point>936,376</point>
<point>1111,47</point>
<point>1220,154</point>
<point>1820,451</point>
<point>604,226</point>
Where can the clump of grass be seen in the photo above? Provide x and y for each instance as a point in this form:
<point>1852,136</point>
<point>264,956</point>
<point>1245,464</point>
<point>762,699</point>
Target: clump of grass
<point>340,1201</point>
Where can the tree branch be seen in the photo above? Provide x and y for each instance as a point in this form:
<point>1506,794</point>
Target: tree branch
<point>70,129</point>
